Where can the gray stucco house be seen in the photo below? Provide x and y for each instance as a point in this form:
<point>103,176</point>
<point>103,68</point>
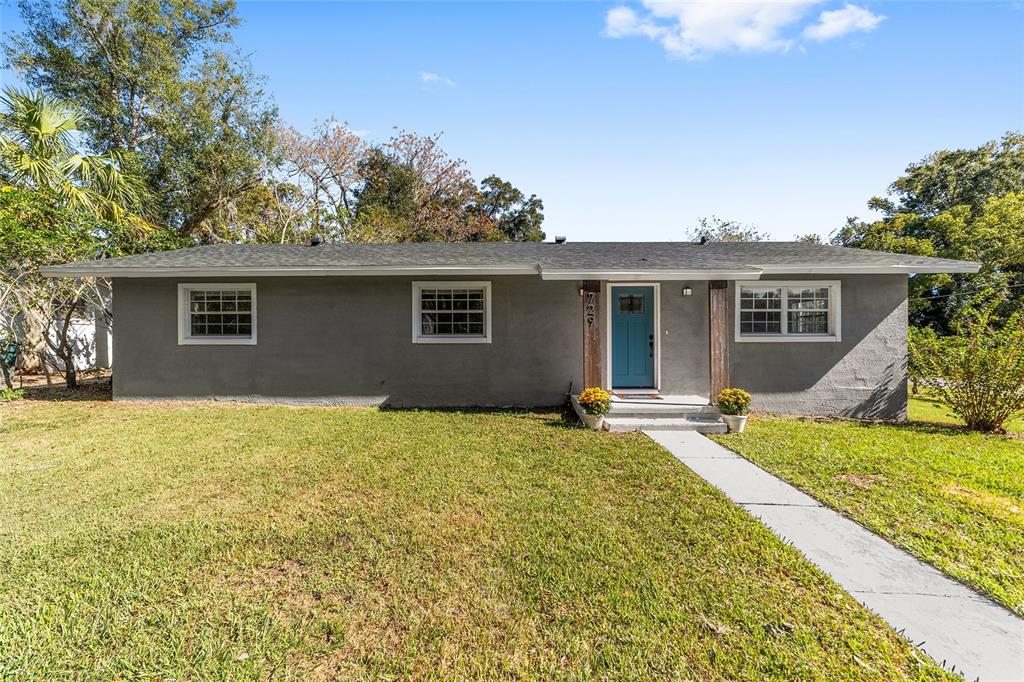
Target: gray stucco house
<point>805,328</point>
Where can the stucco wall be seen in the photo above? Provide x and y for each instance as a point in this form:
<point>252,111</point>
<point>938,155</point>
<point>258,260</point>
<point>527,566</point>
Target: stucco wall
<point>684,339</point>
<point>864,375</point>
<point>348,340</point>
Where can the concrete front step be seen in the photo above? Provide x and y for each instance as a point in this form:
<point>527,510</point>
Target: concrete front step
<point>652,409</point>
<point>661,423</point>
<point>668,406</point>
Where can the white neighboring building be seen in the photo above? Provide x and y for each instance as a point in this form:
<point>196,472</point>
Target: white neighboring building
<point>93,341</point>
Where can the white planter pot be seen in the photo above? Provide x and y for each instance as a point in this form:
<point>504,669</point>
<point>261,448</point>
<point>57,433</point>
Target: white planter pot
<point>593,421</point>
<point>735,422</point>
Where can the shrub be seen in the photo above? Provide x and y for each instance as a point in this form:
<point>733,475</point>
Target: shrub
<point>8,394</point>
<point>979,370</point>
<point>733,401</point>
<point>595,400</point>
<point>922,342</point>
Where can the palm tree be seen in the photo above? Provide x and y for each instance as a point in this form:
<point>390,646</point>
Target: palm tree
<point>38,150</point>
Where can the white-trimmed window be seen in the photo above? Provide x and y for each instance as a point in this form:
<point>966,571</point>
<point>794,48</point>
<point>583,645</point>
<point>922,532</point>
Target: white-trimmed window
<point>451,312</point>
<point>217,314</point>
<point>788,311</point>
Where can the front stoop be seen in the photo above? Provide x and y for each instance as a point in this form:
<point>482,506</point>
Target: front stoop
<point>665,413</point>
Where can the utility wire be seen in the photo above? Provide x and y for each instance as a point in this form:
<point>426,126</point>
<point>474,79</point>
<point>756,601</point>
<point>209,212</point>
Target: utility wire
<point>960,293</point>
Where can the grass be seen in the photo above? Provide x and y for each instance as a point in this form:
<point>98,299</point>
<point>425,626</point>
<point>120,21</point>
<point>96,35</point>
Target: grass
<point>926,408</point>
<point>952,497</point>
<point>214,541</point>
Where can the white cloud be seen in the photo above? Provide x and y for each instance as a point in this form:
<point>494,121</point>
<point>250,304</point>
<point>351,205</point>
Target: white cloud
<point>692,30</point>
<point>622,22</point>
<point>839,22</point>
<point>334,124</point>
<point>433,78</point>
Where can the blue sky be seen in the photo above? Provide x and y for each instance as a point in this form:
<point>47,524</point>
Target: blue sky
<point>631,123</point>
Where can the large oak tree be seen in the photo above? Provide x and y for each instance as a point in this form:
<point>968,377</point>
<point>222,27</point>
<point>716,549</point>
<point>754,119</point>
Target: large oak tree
<point>158,81</point>
<point>965,204</point>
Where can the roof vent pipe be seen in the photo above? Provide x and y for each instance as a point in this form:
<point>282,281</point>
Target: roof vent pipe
<point>316,240</point>
<point>559,239</point>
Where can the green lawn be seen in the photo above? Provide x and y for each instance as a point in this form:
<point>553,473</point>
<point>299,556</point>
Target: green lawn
<point>198,541</point>
<point>951,497</point>
<point>926,408</point>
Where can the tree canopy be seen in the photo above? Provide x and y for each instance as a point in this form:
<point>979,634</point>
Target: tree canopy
<point>515,216</point>
<point>157,81</point>
<point>947,179</point>
<point>963,204</point>
<point>412,190</point>
<point>58,204</point>
<point>161,88</point>
<point>715,229</point>
<point>38,150</point>
<point>38,227</point>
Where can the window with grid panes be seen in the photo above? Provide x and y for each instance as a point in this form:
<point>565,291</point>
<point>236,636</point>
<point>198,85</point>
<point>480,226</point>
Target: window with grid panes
<point>456,312</point>
<point>787,311</point>
<point>217,313</point>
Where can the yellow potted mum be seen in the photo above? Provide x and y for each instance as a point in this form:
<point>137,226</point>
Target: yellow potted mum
<point>734,404</point>
<point>591,405</point>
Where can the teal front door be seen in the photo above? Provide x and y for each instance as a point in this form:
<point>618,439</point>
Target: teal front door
<point>632,337</point>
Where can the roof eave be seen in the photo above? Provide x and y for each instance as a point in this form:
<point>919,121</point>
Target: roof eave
<point>621,274</point>
<point>897,269</point>
<point>336,271</point>
<point>650,275</point>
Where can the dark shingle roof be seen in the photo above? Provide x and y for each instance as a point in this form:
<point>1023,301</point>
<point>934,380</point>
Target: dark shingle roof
<point>734,258</point>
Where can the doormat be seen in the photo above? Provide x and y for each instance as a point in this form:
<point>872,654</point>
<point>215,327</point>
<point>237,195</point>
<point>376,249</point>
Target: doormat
<point>638,396</point>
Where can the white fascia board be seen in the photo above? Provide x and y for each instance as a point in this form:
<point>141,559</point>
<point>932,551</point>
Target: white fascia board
<point>868,269</point>
<point>352,271</point>
<point>649,275</point>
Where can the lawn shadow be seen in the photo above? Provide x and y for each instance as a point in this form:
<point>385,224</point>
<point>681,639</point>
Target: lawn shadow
<point>564,417</point>
<point>927,427</point>
<point>921,397</point>
<point>89,389</point>
<point>557,416</point>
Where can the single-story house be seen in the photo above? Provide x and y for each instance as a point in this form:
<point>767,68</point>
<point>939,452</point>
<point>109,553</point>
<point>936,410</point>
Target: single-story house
<point>806,328</point>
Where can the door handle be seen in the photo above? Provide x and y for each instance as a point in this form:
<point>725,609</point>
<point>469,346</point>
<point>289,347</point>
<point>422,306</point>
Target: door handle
<point>650,342</point>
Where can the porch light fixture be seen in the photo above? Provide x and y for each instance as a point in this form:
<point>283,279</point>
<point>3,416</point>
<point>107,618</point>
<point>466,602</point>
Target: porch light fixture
<point>687,291</point>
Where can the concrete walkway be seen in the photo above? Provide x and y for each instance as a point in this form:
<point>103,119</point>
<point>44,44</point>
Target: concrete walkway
<point>956,626</point>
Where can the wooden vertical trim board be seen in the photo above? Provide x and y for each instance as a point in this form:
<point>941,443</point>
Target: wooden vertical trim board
<point>592,333</point>
<point>718,325</point>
